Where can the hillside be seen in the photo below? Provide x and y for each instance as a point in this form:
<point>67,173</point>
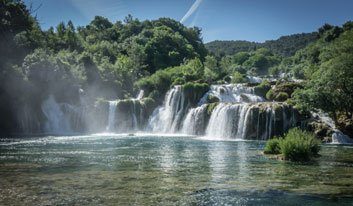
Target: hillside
<point>284,46</point>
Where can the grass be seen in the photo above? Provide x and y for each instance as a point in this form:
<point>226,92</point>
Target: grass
<point>297,145</point>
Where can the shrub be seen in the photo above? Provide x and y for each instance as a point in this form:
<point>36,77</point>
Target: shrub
<point>299,145</point>
<point>273,146</point>
<point>238,78</point>
<point>270,95</point>
<point>263,88</point>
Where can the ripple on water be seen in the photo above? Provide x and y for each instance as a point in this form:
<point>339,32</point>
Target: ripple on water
<point>164,170</point>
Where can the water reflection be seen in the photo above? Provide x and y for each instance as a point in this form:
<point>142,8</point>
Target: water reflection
<point>140,170</point>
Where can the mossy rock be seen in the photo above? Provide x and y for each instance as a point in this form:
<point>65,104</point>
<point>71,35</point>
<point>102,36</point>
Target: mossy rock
<point>321,130</point>
<point>282,91</point>
<point>211,107</point>
<point>125,104</point>
<point>212,99</point>
<point>149,105</point>
<point>262,89</point>
<point>281,97</point>
<point>194,91</point>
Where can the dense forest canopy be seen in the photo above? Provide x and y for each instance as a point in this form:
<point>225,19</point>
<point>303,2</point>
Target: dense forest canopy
<point>284,46</point>
<point>113,60</point>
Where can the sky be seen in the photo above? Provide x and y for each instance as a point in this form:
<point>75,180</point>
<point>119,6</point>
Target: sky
<point>252,20</point>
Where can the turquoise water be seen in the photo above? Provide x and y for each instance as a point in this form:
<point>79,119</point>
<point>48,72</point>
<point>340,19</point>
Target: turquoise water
<point>166,170</point>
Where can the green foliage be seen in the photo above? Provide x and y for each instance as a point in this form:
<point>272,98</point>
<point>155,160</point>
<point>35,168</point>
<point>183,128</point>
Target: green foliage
<point>194,91</point>
<point>263,88</point>
<point>299,145</point>
<point>212,71</point>
<point>281,97</point>
<point>296,145</point>
<point>238,78</point>
<point>285,46</point>
<point>282,91</point>
<point>272,146</point>
<point>270,95</point>
<point>330,81</point>
<point>253,63</point>
<point>162,80</point>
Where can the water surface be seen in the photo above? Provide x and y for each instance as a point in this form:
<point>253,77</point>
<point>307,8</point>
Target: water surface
<point>166,170</point>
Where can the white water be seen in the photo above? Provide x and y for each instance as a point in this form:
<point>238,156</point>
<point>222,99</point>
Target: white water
<point>236,117</point>
<point>111,115</point>
<point>166,119</point>
<point>140,95</point>
<point>195,121</point>
<point>135,124</point>
<point>337,137</point>
<point>232,93</point>
<point>254,79</point>
<point>57,122</point>
<point>245,121</point>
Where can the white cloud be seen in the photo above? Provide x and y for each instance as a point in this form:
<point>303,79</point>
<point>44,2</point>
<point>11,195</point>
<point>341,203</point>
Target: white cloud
<point>192,9</point>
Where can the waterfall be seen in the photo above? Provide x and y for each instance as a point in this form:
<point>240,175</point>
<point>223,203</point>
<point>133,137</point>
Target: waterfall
<point>249,120</point>
<point>140,95</point>
<point>227,121</point>
<point>135,108</point>
<point>232,93</point>
<point>195,121</point>
<point>111,115</point>
<point>254,79</point>
<point>240,114</point>
<point>57,122</point>
<point>337,136</point>
<point>167,119</point>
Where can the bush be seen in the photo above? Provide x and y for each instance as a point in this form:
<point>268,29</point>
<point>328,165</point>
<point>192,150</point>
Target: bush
<point>270,95</point>
<point>238,78</point>
<point>299,145</point>
<point>263,88</point>
<point>273,146</point>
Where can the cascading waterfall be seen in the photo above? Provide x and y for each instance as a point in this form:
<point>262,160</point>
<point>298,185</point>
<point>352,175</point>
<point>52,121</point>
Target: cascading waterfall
<point>232,93</point>
<point>250,120</point>
<point>254,79</point>
<point>232,111</point>
<point>111,115</point>
<point>195,121</point>
<point>240,114</point>
<point>167,119</point>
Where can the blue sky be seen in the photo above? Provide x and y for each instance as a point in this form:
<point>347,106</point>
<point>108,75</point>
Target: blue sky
<point>252,20</point>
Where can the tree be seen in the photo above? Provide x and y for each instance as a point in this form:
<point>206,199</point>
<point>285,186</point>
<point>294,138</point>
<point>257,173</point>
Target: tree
<point>330,86</point>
